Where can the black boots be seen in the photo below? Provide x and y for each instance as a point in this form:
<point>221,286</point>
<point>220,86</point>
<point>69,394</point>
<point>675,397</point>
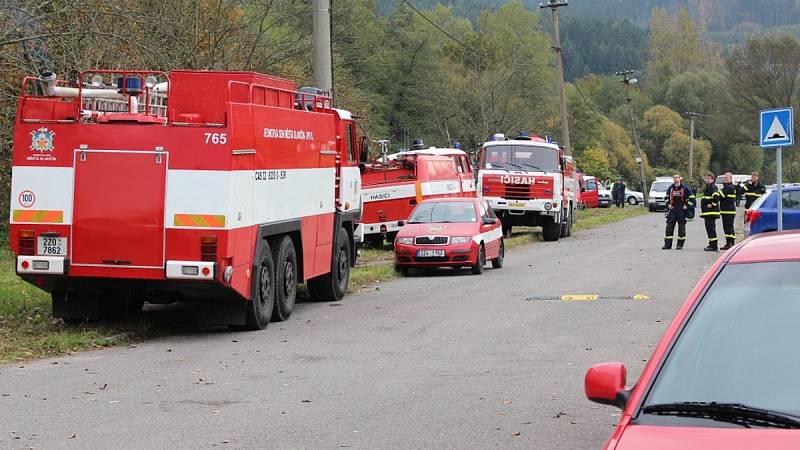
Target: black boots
<point>728,244</point>
<point>711,248</point>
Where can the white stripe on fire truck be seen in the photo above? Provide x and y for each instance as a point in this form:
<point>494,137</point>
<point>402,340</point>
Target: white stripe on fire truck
<point>51,188</point>
<point>245,198</point>
<point>409,190</point>
<point>440,187</point>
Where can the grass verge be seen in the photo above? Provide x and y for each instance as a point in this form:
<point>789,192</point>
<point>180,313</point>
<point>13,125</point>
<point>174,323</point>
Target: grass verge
<point>27,331</point>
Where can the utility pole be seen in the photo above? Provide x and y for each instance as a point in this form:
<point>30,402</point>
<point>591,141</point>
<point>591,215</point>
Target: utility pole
<point>321,43</point>
<point>628,81</point>
<point>691,116</point>
<point>554,5</point>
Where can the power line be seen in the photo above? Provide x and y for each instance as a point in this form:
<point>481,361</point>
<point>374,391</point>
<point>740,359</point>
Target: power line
<point>453,38</point>
<point>575,83</point>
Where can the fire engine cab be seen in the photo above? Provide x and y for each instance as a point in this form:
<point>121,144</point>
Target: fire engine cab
<point>228,187</point>
<point>395,184</point>
<point>528,181</point>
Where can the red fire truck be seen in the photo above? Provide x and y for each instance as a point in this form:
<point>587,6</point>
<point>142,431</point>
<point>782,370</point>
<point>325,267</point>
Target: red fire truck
<point>228,187</point>
<point>528,181</point>
<point>393,185</point>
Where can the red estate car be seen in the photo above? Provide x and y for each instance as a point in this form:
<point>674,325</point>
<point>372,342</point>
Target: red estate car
<point>726,374</point>
<point>451,232</point>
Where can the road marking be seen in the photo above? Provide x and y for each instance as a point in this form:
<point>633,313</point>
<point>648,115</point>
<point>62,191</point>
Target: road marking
<point>579,297</point>
<point>641,297</point>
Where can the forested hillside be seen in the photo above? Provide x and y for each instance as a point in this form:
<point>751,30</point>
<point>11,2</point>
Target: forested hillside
<point>486,66</point>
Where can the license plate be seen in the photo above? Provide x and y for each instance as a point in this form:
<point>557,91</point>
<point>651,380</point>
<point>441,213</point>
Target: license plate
<point>430,253</point>
<point>52,246</point>
<point>516,205</point>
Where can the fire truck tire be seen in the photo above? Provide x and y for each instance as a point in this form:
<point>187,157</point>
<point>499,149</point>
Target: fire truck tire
<point>332,286</point>
<point>285,260</point>
<point>497,263</point>
<point>259,308</point>
<point>551,230</point>
<point>477,269</point>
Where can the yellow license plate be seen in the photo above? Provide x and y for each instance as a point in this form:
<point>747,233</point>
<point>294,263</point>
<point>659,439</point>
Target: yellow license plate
<point>516,205</point>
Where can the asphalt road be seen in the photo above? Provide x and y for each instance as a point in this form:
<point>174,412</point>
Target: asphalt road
<point>444,360</point>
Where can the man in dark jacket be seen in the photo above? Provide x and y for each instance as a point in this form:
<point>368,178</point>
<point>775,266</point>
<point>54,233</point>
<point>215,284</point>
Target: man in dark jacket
<point>680,202</point>
<point>618,193</point>
<point>709,211</point>
<point>727,208</point>
<point>752,190</point>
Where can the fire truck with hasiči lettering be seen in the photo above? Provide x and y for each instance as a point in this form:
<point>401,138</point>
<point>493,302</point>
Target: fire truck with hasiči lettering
<point>529,181</point>
<point>394,184</point>
<point>225,187</point>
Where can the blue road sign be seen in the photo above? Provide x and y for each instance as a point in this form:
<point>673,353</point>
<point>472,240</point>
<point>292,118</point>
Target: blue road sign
<point>777,128</point>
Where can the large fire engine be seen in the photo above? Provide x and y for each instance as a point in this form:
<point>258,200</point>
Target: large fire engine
<point>394,184</point>
<point>229,187</point>
<point>529,182</point>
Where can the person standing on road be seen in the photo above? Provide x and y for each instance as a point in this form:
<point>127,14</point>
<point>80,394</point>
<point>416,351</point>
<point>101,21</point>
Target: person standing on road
<point>709,211</point>
<point>752,190</point>
<point>618,193</point>
<point>727,208</point>
<point>680,202</point>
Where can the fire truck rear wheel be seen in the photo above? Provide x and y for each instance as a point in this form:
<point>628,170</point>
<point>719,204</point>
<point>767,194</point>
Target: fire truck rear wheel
<point>259,308</point>
<point>332,286</point>
<point>551,230</point>
<point>477,269</point>
<point>285,259</point>
<point>497,263</point>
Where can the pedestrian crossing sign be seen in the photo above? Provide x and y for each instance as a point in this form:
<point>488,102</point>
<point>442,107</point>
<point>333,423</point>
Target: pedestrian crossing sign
<point>777,128</point>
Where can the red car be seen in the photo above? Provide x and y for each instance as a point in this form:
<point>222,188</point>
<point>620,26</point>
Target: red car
<point>450,232</point>
<point>725,374</point>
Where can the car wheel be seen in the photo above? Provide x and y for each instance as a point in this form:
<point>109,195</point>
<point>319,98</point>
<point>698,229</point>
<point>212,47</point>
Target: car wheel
<point>477,269</point>
<point>632,201</point>
<point>497,263</point>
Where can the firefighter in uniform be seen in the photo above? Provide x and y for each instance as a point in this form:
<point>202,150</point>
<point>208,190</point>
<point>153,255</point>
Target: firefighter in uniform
<point>752,190</point>
<point>709,211</point>
<point>727,209</point>
<point>680,204</point>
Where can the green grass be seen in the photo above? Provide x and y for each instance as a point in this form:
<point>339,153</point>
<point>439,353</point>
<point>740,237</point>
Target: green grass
<point>27,330</point>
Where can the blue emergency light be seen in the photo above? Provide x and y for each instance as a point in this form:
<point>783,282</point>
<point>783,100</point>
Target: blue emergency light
<point>133,85</point>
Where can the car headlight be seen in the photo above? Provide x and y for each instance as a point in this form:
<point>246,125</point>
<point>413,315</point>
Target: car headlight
<point>459,239</point>
<point>405,240</point>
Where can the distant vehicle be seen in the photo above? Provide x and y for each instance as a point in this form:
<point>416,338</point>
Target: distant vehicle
<point>529,182</point>
<point>736,179</point>
<point>658,192</point>
<point>763,213</point>
<point>722,376</point>
<point>604,197</point>
<point>589,191</point>
<point>633,197</point>
<point>450,232</point>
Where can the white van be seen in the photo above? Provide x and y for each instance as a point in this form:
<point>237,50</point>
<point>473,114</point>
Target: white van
<point>658,192</point>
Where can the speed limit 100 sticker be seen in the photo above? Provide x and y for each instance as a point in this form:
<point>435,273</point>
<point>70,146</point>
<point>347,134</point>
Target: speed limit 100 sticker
<point>27,199</point>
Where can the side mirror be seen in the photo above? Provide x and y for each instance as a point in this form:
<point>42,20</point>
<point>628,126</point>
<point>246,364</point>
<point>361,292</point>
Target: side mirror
<point>489,221</point>
<point>401,223</point>
<point>605,384</point>
<point>364,155</point>
<point>583,189</point>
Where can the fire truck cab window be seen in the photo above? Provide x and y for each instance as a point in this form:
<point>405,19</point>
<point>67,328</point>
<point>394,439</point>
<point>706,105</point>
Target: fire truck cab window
<point>522,157</point>
<point>591,185</point>
<point>459,164</point>
<point>348,138</point>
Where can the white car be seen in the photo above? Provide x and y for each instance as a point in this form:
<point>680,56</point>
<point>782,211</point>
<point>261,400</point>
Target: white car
<point>633,197</point>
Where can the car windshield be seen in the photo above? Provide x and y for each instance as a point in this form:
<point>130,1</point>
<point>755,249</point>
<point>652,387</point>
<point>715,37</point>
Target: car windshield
<point>740,344</point>
<point>444,212</point>
<point>591,185</point>
<point>660,186</point>
<point>521,157</point>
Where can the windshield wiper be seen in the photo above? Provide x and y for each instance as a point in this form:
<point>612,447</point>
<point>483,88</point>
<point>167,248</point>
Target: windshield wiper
<point>533,167</point>
<point>735,413</point>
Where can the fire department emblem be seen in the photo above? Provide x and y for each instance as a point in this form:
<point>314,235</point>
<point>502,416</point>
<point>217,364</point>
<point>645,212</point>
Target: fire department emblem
<point>42,140</point>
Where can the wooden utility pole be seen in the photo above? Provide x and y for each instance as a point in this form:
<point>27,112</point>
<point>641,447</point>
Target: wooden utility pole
<point>554,5</point>
<point>691,116</point>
